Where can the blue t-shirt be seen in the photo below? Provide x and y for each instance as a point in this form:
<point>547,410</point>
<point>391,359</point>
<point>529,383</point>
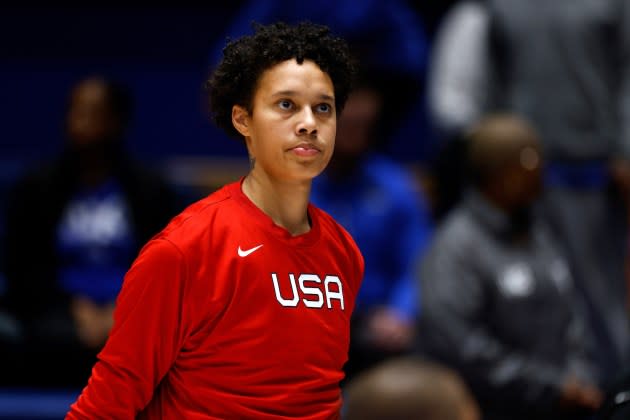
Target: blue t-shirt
<point>95,242</point>
<point>386,215</point>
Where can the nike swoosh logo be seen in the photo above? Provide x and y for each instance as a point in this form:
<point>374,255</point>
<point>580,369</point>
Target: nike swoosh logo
<point>245,253</point>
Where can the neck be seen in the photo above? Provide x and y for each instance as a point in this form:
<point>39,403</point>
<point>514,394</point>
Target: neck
<point>286,203</point>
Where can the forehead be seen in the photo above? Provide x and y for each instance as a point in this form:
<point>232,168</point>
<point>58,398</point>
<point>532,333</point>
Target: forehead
<point>289,76</point>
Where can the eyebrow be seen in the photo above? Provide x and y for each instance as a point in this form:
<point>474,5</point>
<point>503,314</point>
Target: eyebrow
<point>294,93</point>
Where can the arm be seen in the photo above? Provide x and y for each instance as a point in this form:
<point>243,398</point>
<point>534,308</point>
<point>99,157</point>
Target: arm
<point>458,70</point>
<point>581,343</point>
<point>452,329</point>
<point>151,323</point>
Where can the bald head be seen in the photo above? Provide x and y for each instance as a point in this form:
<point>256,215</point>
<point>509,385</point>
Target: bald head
<point>505,161</point>
<point>409,388</point>
<point>500,141</point>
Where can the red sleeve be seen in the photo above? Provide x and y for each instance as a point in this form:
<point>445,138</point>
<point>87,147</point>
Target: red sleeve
<point>150,326</point>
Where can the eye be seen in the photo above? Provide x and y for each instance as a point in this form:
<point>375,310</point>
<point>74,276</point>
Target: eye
<point>285,104</point>
<point>323,108</point>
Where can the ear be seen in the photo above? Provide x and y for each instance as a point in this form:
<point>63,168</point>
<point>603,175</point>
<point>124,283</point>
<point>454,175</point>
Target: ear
<point>240,120</point>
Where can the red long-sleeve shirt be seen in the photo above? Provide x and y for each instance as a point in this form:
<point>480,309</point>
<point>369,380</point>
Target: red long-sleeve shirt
<point>225,315</point>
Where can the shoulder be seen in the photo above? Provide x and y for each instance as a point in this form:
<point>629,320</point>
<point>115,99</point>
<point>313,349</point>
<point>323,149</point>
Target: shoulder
<point>458,234</point>
<point>335,235</point>
<point>41,174</point>
<point>338,242</point>
<point>40,187</point>
<point>201,220</point>
<point>329,226</point>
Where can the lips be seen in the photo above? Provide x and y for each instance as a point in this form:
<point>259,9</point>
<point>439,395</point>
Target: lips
<point>305,146</point>
<point>305,149</point>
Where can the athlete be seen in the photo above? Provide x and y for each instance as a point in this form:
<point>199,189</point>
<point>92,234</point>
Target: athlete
<point>240,307</point>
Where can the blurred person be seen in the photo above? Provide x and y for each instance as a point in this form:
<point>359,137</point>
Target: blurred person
<point>457,96</point>
<point>564,66</point>
<point>241,306</point>
<point>458,68</point>
<point>581,54</point>
<point>373,196</point>
<point>498,298</point>
<point>407,388</point>
<point>73,226</point>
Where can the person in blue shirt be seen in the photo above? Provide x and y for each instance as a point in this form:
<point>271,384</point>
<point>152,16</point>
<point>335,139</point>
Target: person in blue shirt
<point>380,203</point>
<point>73,227</point>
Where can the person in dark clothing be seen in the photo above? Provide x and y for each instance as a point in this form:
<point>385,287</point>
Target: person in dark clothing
<point>73,226</point>
<point>498,297</point>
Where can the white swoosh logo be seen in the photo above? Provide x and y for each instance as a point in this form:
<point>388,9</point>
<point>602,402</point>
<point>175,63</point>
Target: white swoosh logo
<point>245,253</point>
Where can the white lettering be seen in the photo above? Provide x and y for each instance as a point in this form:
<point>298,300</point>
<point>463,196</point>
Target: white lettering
<point>311,291</point>
<point>285,302</point>
<point>338,294</point>
<point>312,296</point>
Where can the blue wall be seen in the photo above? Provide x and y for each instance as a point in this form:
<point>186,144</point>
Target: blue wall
<point>161,53</point>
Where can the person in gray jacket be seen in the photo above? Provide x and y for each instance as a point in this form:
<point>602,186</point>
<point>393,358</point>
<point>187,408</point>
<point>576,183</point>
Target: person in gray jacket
<point>565,65</point>
<point>497,296</point>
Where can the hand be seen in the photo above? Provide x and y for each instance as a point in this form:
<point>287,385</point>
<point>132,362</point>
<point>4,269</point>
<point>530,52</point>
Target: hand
<point>93,321</point>
<point>389,331</point>
<point>577,395</point>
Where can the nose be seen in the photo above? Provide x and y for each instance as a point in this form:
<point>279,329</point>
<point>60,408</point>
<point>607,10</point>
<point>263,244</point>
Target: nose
<point>306,123</point>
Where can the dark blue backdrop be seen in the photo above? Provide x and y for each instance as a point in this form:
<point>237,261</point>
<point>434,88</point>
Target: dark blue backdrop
<point>161,53</point>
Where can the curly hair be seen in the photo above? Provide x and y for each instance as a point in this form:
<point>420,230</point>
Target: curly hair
<point>245,59</point>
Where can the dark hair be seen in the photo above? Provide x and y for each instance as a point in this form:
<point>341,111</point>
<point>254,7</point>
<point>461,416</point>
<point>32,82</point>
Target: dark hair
<point>246,58</point>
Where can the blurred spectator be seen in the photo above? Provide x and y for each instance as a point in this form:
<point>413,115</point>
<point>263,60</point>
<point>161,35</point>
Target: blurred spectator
<point>406,388</point>
<point>458,69</point>
<point>381,205</point>
<point>565,66</point>
<point>498,300</point>
<point>73,228</point>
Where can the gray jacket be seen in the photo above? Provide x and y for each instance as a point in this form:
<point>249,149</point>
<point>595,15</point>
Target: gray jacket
<point>501,312</point>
